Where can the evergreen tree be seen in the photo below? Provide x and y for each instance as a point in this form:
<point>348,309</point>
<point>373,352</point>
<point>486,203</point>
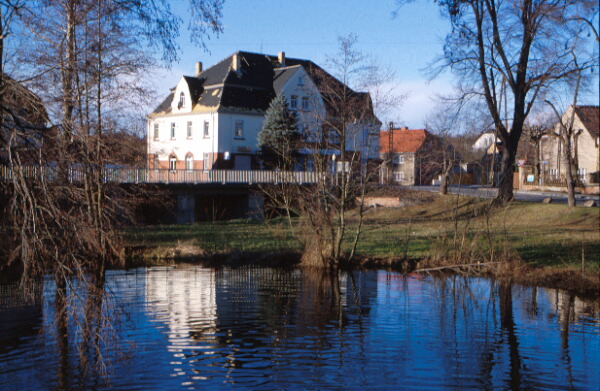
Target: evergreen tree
<point>279,135</point>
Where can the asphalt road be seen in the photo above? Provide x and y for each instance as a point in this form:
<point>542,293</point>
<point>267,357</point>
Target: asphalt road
<point>520,195</point>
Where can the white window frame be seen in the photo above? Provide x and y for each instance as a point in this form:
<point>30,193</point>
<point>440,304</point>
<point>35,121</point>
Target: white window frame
<point>156,131</point>
<point>582,174</point>
<point>173,163</point>
<point>399,159</point>
<point>181,100</point>
<point>294,102</point>
<point>238,129</point>
<point>173,127</point>
<point>189,129</point>
<point>189,162</point>
<point>399,176</point>
<point>305,103</point>
<point>206,160</point>
<point>206,129</point>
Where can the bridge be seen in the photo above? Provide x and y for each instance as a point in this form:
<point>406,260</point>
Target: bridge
<point>162,176</point>
<point>198,194</point>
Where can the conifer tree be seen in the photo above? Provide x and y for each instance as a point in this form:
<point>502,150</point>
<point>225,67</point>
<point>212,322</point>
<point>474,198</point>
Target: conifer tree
<point>279,135</point>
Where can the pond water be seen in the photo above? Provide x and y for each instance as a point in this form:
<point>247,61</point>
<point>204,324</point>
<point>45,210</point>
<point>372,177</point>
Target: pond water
<point>191,327</point>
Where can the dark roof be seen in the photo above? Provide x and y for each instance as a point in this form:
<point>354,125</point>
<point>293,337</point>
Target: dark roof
<point>254,85</point>
<point>165,106</point>
<point>22,104</point>
<point>590,116</point>
<point>282,76</point>
<point>25,116</point>
<point>195,86</point>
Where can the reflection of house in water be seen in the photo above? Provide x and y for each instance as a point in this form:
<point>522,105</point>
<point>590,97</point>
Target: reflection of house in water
<point>184,299</point>
<point>235,316</point>
<point>570,308</point>
<point>21,317</point>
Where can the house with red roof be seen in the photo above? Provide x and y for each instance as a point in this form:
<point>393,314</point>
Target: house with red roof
<point>586,126</point>
<point>413,156</point>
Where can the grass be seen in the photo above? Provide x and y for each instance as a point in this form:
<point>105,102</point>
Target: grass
<point>215,237</point>
<point>547,235</point>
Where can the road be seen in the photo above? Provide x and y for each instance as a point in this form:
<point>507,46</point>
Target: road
<point>520,195</point>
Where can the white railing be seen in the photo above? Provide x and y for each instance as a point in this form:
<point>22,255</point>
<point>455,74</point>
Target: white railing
<point>140,175</point>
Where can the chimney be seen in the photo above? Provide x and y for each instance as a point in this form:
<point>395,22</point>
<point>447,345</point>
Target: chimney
<point>237,64</point>
<point>282,58</point>
<point>198,68</point>
<point>391,125</point>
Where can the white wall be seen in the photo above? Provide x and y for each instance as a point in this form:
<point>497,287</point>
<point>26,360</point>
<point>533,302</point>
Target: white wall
<point>311,118</point>
<point>181,145</point>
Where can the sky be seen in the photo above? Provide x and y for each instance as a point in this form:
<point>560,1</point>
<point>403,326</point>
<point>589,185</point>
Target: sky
<point>406,39</point>
<point>407,42</point>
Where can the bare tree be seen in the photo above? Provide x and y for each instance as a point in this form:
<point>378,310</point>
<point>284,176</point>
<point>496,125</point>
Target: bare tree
<point>522,44</point>
<point>85,57</point>
<point>339,142</point>
<point>443,124</point>
<point>568,137</point>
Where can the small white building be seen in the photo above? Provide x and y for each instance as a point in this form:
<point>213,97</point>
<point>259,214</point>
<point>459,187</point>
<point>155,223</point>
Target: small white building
<point>585,146</point>
<point>212,120</point>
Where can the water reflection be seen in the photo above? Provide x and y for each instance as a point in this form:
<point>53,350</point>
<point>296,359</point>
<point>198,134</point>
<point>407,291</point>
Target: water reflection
<point>191,327</point>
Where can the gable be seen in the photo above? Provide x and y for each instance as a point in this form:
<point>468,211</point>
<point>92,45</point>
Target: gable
<point>248,82</point>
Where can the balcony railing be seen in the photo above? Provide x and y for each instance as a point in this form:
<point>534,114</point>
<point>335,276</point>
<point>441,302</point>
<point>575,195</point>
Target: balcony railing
<point>131,175</point>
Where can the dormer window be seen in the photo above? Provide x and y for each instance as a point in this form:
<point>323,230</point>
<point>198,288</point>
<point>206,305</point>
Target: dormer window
<point>181,101</point>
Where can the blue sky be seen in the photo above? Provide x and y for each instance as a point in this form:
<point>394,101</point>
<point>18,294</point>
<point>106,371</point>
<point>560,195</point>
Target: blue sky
<point>407,43</point>
<point>309,29</point>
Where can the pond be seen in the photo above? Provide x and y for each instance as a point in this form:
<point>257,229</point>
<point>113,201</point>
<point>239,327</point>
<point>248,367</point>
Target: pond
<point>192,327</point>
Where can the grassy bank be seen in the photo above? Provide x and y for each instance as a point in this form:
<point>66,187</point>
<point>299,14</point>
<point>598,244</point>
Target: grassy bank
<point>433,231</point>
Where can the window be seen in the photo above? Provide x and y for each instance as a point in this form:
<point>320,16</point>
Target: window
<point>156,134</point>
<point>206,130</point>
<point>301,81</point>
<point>399,176</point>
<point>582,173</point>
<point>207,165</point>
<point>399,159</point>
<point>173,163</point>
<point>189,129</point>
<point>181,100</point>
<point>239,129</point>
<point>334,137</point>
<point>172,130</point>
<point>305,103</point>
<point>294,102</point>
<point>189,162</point>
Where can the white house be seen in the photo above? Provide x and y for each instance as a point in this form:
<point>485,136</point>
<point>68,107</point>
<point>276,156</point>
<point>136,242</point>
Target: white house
<point>485,141</point>
<point>212,120</point>
<point>585,146</point>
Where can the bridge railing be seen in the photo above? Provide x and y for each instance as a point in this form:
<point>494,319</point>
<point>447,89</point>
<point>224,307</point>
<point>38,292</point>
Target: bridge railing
<point>231,176</point>
<point>140,175</point>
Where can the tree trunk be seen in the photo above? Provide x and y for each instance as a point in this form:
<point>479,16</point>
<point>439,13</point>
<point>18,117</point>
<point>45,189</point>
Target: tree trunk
<point>507,172</point>
<point>444,184</point>
<point>571,180</point>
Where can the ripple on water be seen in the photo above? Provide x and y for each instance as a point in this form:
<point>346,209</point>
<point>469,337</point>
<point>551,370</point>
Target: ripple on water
<point>253,328</point>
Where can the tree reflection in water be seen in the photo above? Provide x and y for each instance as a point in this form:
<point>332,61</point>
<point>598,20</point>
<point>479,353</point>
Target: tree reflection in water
<point>265,328</point>
<point>84,329</point>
